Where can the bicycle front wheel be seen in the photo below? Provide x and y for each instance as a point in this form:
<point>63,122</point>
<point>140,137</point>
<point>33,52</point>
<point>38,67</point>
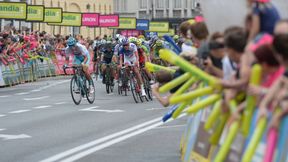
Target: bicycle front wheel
<point>75,90</point>
<point>133,85</point>
<point>90,96</point>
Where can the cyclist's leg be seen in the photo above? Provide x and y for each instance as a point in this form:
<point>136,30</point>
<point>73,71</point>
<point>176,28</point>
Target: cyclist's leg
<point>138,76</point>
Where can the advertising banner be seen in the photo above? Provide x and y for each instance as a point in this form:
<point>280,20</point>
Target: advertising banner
<point>109,20</point>
<point>13,10</point>
<point>129,33</point>
<point>171,32</point>
<point>70,19</point>
<point>159,26</point>
<point>53,15</point>
<point>127,23</point>
<point>142,24</point>
<point>35,13</point>
<point>90,19</point>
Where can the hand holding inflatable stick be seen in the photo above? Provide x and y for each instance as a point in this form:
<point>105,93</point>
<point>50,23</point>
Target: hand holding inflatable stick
<point>174,83</point>
<point>172,58</point>
<point>155,68</point>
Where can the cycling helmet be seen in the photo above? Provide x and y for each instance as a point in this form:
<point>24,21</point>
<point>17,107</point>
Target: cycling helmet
<point>125,41</point>
<point>159,43</point>
<point>103,41</point>
<point>132,40</point>
<point>176,37</point>
<point>71,41</point>
<point>139,42</point>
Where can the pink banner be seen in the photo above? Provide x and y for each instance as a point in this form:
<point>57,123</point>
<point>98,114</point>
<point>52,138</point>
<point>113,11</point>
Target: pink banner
<point>90,19</point>
<point>128,33</point>
<point>108,20</point>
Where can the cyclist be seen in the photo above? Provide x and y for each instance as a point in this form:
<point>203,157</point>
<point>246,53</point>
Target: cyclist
<point>155,51</point>
<point>107,59</point>
<point>131,58</point>
<point>143,57</point>
<point>81,57</point>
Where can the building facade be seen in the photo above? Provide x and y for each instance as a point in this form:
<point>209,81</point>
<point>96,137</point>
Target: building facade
<point>98,6</point>
<point>83,6</point>
<point>157,9</point>
<point>173,11</point>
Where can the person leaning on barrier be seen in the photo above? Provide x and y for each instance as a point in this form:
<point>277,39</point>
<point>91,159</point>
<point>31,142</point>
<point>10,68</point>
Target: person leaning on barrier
<point>279,91</point>
<point>163,77</point>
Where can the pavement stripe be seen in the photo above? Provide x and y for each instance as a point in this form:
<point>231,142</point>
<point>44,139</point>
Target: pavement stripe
<point>2,129</point>
<point>51,85</point>
<point>19,111</point>
<point>5,96</point>
<point>2,115</point>
<point>171,126</point>
<point>115,138</point>
<point>42,107</point>
<point>98,141</point>
<point>37,98</point>
<point>23,93</point>
<point>156,109</point>
<point>60,103</point>
<point>112,142</point>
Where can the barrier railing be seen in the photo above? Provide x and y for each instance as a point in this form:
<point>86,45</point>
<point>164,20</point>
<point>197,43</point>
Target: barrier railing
<point>209,136</point>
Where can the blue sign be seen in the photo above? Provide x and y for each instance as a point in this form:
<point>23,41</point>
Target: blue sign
<point>142,24</point>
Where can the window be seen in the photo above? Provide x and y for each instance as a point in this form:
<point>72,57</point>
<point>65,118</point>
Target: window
<point>159,13</point>
<point>167,4</point>
<point>143,4</point>
<point>142,15</point>
<point>177,3</point>
<point>177,13</point>
<point>160,4</point>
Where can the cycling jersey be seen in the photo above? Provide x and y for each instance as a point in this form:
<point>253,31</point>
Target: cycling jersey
<point>107,56</point>
<point>156,50</point>
<point>129,56</point>
<point>79,52</point>
<point>130,52</point>
<point>141,56</point>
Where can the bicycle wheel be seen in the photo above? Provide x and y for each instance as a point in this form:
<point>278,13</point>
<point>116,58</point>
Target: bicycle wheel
<point>75,90</point>
<point>133,85</point>
<point>147,87</point>
<point>90,96</point>
<point>107,82</point>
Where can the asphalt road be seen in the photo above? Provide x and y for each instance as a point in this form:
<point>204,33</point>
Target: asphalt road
<point>39,122</point>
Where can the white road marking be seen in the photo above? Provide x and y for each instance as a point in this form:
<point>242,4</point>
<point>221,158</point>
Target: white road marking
<point>23,93</point>
<point>2,115</point>
<point>110,94</point>
<point>171,126</point>
<point>13,137</point>
<point>112,142</point>
<point>19,111</point>
<point>2,129</point>
<point>156,109</point>
<point>94,109</point>
<point>51,85</point>
<point>37,98</point>
<point>42,107</point>
<point>60,103</point>
<point>118,137</point>
<point>98,141</point>
<point>5,96</point>
<point>36,90</point>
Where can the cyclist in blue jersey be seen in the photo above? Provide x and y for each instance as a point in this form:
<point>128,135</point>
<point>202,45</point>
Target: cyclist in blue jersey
<point>81,57</point>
